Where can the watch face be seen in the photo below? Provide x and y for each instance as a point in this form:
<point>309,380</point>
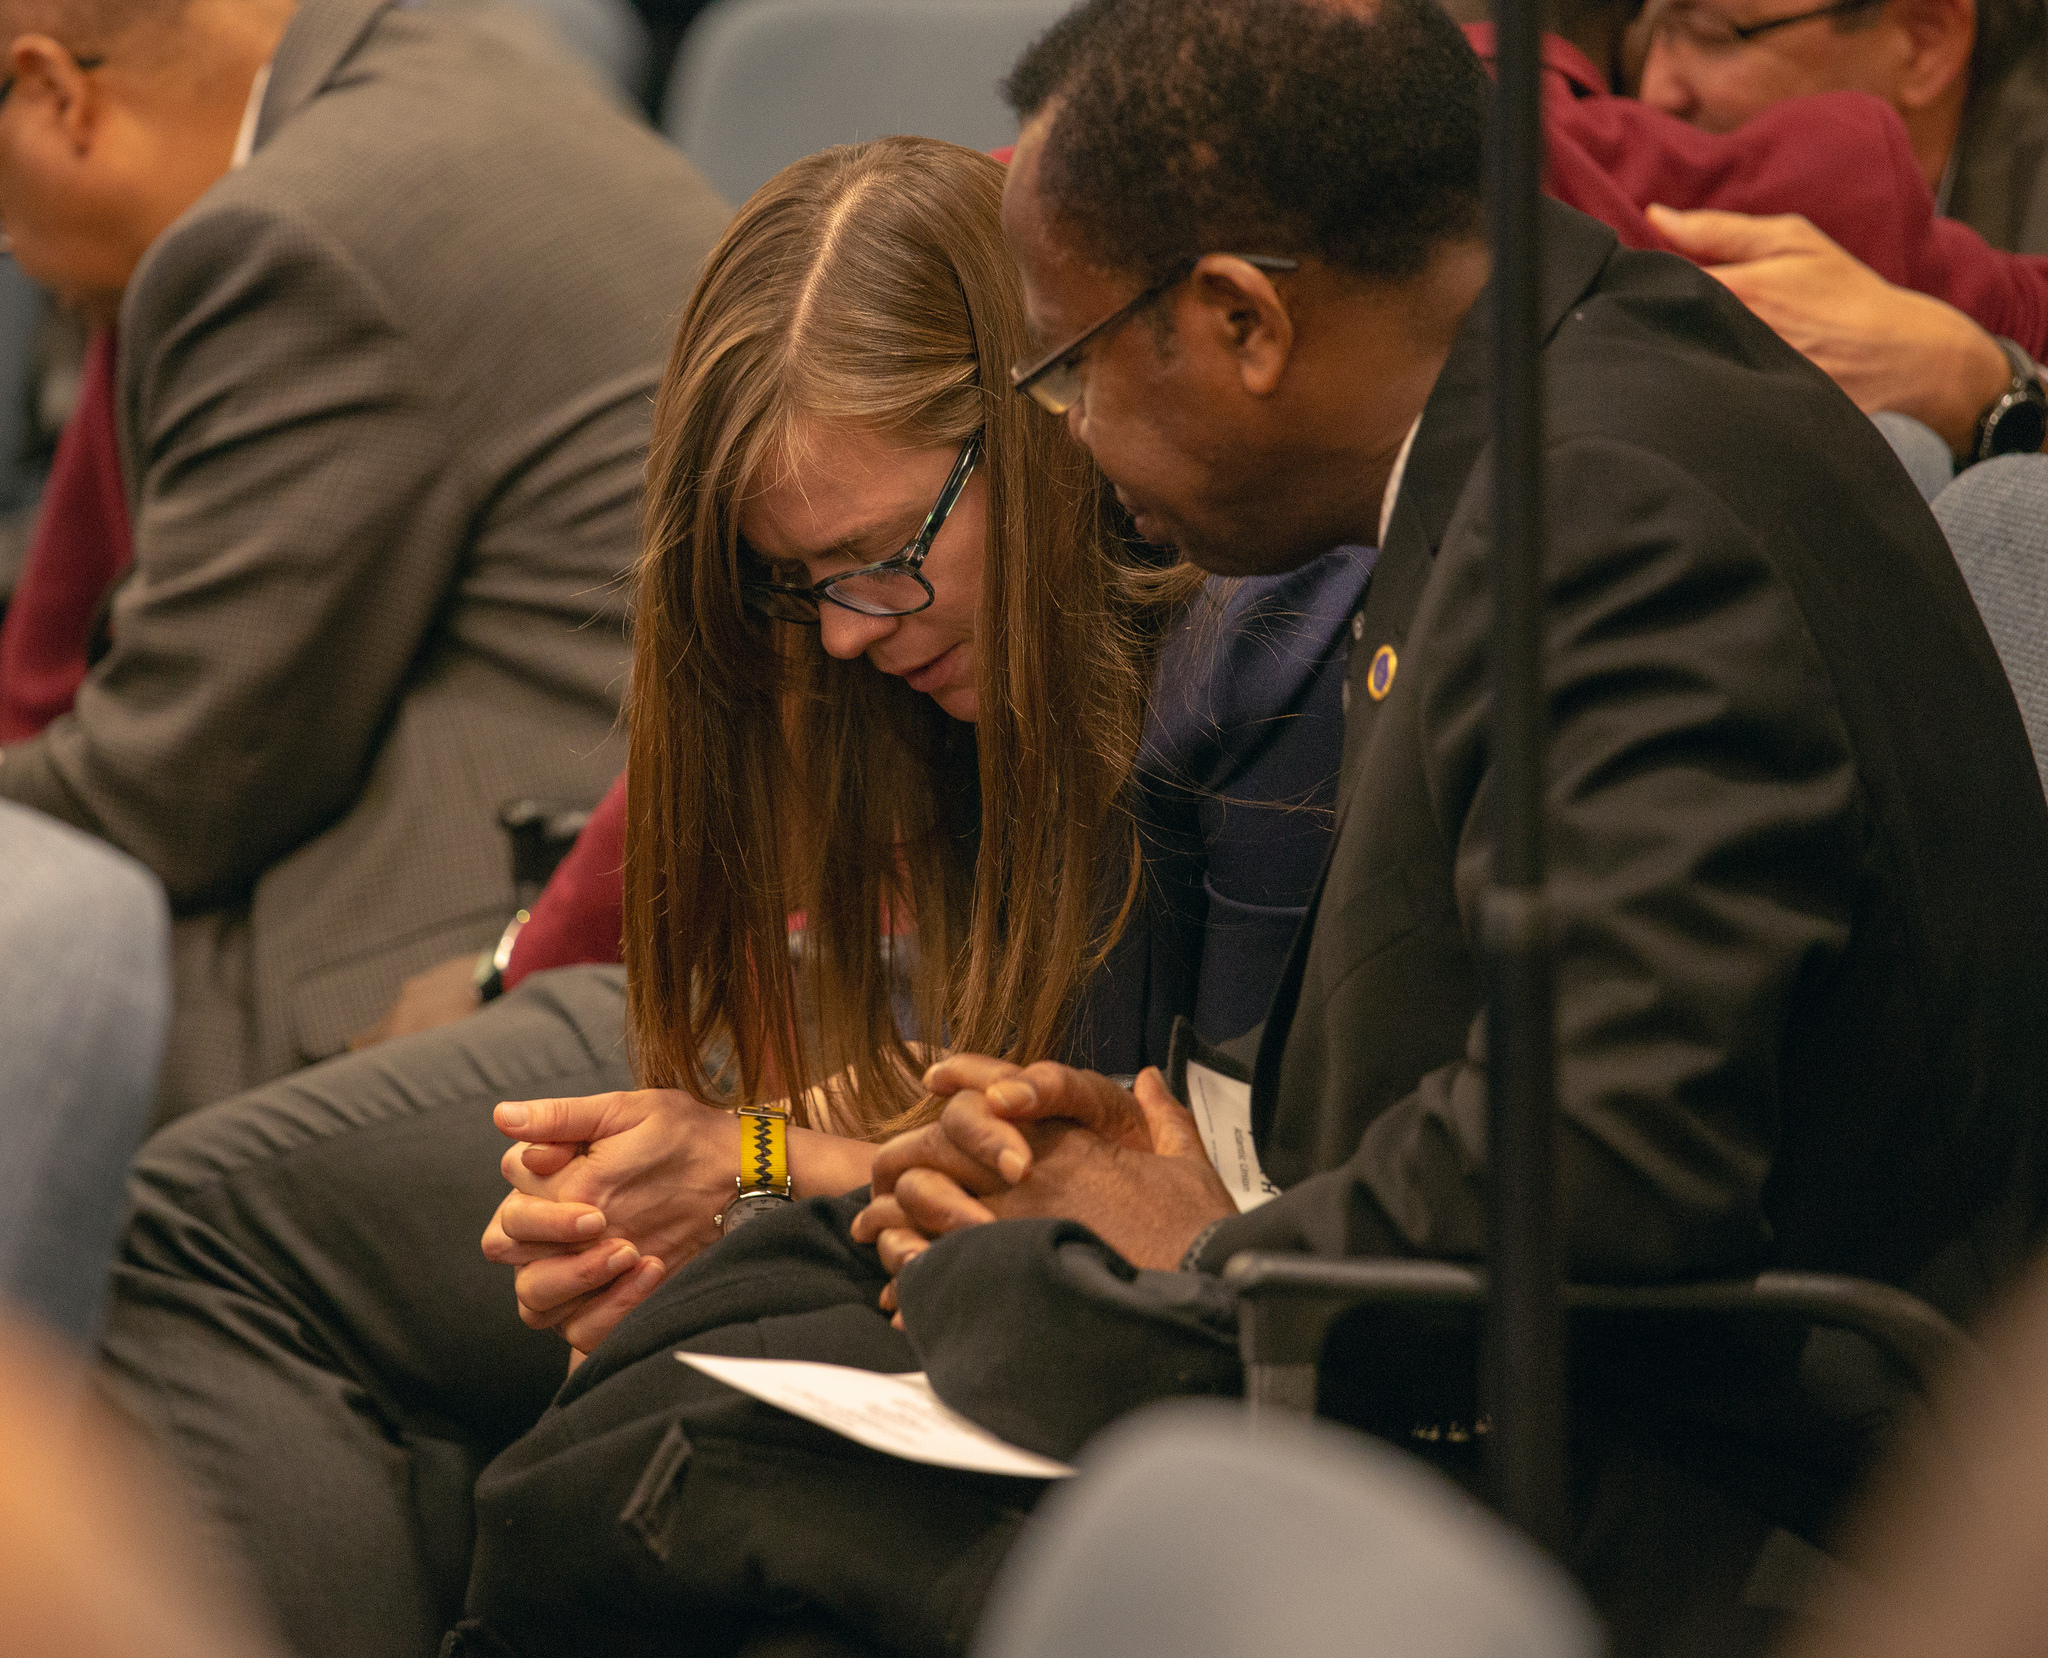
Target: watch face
<point>743,1209</point>
<point>2021,425</point>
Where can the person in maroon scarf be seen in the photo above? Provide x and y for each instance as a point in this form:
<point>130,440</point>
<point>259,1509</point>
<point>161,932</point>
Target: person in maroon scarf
<point>380,405</point>
<point>1816,215</point>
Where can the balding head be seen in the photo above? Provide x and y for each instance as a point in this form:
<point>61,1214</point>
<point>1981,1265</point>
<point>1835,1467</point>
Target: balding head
<point>118,116</point>
<point>90,23</point>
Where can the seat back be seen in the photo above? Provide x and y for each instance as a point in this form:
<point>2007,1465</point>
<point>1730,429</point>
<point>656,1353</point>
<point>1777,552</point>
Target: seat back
<point>1192,1532</point>
<point>761,83</point>
<point>605,37</point>
<point>1996,519</point>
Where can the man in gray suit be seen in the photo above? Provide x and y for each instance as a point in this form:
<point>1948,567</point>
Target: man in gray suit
<point>393,298</point>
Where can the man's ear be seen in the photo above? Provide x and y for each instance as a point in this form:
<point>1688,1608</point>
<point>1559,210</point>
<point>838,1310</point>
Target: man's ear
<point>1236,306</point>
<point>1939,36</point>
<point>47,78</point>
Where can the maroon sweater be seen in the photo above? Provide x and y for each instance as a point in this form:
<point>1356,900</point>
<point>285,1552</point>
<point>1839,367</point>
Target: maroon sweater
<point>1839,158</point>
<point>580,914</point>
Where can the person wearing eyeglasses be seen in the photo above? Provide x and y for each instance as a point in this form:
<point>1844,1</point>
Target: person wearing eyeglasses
<point>1968,77</point>
<point>1969,81</point>
<point>923,749</point>
<point>1798,857</point>
<point>389,292</point>
<point>913,628</point>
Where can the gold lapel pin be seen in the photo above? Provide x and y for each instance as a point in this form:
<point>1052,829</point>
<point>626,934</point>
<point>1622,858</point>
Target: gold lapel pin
<point>1379,677</point>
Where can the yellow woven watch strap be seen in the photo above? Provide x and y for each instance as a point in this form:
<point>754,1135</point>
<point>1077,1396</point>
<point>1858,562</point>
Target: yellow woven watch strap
<point>764,1150</point>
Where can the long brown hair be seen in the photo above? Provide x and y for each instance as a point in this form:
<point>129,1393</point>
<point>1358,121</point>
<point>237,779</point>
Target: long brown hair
<point>869,286</point>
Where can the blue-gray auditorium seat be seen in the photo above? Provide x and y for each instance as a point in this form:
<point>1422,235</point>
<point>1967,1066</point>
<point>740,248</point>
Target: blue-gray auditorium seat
<point>1920,449</point>
<point>1996,519</point>
<point>761,83</point>
<point>85,999</point>
<point>1188,1533</point>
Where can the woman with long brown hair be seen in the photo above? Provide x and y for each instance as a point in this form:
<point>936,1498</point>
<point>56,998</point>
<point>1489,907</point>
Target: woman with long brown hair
<point>891,662</point>
<point>947,763</point>
<point>841,366</point>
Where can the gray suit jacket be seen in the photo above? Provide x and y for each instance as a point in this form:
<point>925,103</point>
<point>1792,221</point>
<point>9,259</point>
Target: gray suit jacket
<point>384,401</point>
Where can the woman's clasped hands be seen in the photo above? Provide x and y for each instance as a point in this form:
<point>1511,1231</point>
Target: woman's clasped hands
<point>609,1194</point>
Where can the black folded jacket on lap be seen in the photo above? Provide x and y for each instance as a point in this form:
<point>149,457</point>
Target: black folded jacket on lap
<point>654,1509</point>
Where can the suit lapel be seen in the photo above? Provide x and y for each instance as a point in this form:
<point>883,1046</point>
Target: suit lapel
<point>1379,634</point>
<point>317,42</point>
<point>1380,624</point>
<point>1448,445</point>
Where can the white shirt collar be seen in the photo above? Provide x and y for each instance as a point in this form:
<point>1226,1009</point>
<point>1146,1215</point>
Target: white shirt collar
<point>1394,479</point>
<point>245,135</point>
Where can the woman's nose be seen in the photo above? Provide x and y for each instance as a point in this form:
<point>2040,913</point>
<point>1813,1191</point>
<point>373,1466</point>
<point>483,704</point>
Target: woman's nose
<point>847,633</point>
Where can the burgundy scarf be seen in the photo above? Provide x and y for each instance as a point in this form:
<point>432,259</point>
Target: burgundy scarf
<point>82,544</point>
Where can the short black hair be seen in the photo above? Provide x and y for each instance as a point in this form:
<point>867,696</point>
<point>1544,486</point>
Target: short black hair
<point>1258,126</point>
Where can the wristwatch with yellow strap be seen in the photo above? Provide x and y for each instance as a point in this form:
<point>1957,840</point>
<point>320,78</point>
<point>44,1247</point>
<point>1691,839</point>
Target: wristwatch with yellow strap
<point>763,1181</point>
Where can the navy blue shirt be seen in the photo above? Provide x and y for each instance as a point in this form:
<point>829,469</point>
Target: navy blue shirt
<point>1237,779</point>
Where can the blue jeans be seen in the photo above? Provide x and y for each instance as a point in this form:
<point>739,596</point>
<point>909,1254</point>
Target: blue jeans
<point>85,997</point>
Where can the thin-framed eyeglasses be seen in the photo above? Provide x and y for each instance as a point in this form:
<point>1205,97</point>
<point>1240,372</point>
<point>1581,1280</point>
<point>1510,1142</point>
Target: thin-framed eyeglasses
<point>1713,31</point>
<point>1053,381</point>
<point>90,62</point>
<point>890,587</point>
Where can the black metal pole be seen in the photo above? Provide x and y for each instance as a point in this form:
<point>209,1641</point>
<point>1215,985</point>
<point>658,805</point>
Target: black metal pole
<point>1524,1358</point>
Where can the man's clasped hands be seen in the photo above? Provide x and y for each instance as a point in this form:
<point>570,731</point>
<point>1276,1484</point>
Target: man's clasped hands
<point>612,1193</point>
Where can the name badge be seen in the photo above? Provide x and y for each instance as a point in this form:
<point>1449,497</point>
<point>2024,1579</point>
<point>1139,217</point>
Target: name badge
<point>1221,1104</point>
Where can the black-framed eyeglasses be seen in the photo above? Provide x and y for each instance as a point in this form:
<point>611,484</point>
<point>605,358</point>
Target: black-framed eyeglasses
<point>7,84</point>
<point>1053,382</point>
<point>1711,31</point>
<point>891,587</point>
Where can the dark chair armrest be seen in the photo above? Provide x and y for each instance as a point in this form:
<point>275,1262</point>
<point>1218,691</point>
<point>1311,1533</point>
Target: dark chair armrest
<point>540,833</point>
<point>1287,1304</point>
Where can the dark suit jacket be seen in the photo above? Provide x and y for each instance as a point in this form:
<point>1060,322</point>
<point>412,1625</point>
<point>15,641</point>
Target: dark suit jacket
<point>383,407</point>
<point>1802,856</point>
<point>1797,842</point>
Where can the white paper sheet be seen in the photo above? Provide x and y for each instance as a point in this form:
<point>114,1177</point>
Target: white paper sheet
<point>1222,1109</point>
<point>899,1415</point>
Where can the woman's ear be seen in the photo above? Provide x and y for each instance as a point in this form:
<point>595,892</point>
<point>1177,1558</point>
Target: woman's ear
<point>1241,311</point>
<point>1939,37</point>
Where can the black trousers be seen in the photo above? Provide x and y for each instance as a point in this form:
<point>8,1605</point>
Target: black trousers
<point>301,1318</point>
